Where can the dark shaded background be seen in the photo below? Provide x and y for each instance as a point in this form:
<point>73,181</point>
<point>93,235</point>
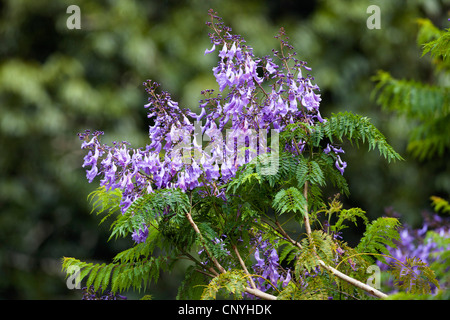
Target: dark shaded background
<point>56,82</point>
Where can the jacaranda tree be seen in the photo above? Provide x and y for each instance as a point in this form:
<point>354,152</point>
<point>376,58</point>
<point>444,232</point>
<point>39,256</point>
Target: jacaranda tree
<point>220,188</point>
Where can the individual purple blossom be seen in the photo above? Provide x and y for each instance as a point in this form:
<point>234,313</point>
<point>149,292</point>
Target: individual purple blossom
<point>140,235</point>
<point>340,165</point>
<point>91,159</point>
<point>271,67</point>
<point>268,267</point>
<point>210,50</point>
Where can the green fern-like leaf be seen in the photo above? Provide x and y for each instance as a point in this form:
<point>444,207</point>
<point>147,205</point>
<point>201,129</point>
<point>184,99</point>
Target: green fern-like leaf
<point>250,175</point>
<point>427,31</point>
<point>140,250</point>
<point>412,98</point>
<point>414,276</point>
<point>430,139</point>
<point>289,200</point>
<point>355,128</point>
<point>440,205</point>
<point>192,286</point>
<point>245,179</point>
<point>332,175</point>
<point>149,209</point>
<point>309,170</point>
<point>439,47</point>
<point>231,282</point>
<point>93,275</point>
<point>289,252</point>
<point>378,235</point>
<point>291,292</point>
<point>120,276</point>
<point>335,208</point>
<point>441,264</point>
<point>319,246</point>
<point>349,215</point>
<point>285,172</point>
<point>315,290</point>
<point>105,202</point>
<point>428,104</point>
<point>299,131</point>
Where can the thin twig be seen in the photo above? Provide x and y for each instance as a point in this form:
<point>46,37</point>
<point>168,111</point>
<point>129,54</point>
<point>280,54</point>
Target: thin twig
<point>205,273</point>
<point>189,256</point>
<point>286,236</point>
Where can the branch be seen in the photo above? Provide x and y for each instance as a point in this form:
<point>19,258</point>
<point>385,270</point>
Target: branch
<point>306,217</point>
<point>335,272</point>
<point>244,267</point>
<point>211,269</point>
<point>258,293</point>
<point>197,230</point>
<point>253,291</point>
<point>206,273</point>
<point>286,236</point>
<point>353,281</point>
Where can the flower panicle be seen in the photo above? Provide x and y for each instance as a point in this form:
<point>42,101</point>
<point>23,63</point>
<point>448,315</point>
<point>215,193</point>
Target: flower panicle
<point>255,95</point>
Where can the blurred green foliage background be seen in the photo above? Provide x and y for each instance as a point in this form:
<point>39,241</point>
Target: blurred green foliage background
<point>56,82</point>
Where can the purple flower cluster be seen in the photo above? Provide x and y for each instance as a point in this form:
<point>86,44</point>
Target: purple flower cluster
<point>416,242</point>
<point>291,98</point>
<point>121,167</point>
<point>257,96</point>
<point>268,267</point>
